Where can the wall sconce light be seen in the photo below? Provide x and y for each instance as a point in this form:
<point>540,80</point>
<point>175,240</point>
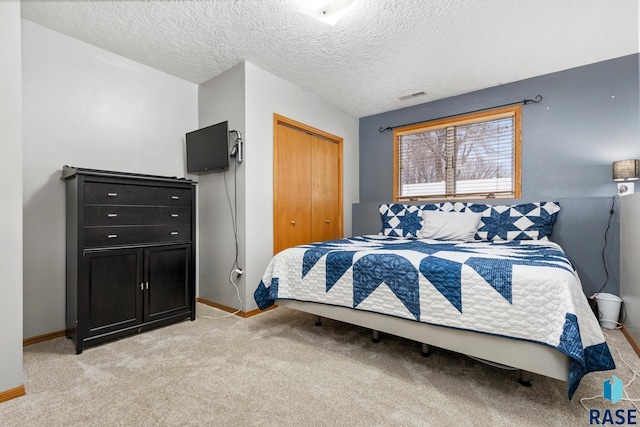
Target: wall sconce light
<point>626,170</point>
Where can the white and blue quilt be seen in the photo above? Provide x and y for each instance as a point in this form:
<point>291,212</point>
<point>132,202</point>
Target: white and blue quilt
<point>525,290</point>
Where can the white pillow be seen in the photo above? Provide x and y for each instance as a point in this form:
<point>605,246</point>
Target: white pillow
<point>449,225</point>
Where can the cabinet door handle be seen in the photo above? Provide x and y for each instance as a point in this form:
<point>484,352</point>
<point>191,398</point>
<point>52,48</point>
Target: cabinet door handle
<point>146,285</point>
<point>112,236</point>
<point>327,221</point>
<point>293,222</point>
<point>174,233</point>
<point>174,215</point>
<point>175,197</point>
<point>142,286</point>
<point>112,194</point>
<point>112,215</point>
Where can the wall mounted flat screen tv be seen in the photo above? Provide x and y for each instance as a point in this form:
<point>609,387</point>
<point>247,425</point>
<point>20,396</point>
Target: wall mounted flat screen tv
<point>208,148</point>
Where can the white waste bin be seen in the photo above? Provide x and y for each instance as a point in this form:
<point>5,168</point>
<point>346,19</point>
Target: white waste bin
<point>608,310</point>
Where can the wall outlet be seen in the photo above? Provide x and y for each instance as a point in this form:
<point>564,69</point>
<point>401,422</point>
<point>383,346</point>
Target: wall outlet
<point>625,188</point>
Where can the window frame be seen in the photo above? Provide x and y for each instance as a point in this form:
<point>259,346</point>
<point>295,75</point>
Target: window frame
<point>460,120</point>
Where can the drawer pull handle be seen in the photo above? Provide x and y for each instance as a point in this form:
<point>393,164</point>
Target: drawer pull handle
<point>112,215</point>
<point>112,236</point>
<point>175,197</point>
<point>112,194</point>
<point>174,215</point>
<point>174,233</point>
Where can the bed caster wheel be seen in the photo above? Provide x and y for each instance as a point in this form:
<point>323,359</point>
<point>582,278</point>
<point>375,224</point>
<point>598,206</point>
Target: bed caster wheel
<point>425,351</point>
<point>375,337</point>
<point>525,379</point>
<point>318,321</point>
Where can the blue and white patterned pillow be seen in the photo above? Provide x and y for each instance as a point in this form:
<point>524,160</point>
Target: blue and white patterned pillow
<point>400,220</point>
<point>528,221</point>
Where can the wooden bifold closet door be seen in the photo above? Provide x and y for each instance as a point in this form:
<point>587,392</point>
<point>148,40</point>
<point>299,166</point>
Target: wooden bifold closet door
<point>307,184</point>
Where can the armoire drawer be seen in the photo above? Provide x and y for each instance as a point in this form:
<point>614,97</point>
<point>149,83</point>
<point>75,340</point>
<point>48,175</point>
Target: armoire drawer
<point>133,235</point>
<point>112,215</point>
<point>105,193</point>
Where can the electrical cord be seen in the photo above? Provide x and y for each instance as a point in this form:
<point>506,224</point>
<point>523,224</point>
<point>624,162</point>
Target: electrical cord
<point>234,209</point>
<point>606,232</point>
<point>624,386</point>
<point>237,295</point>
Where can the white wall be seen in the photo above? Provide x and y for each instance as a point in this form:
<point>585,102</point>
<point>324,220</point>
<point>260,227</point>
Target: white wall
<point>267,94</point>
<point>219,99</point>
<point>629,266</point>
<point>11,375</point>
<point>86,107</point>
<point>247,97</point>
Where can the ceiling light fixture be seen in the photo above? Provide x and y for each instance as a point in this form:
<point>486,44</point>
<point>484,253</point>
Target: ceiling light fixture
<point>327,11</point>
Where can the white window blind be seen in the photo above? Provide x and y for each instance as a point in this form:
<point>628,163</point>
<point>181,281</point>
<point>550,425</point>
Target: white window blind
<point>473,156</point>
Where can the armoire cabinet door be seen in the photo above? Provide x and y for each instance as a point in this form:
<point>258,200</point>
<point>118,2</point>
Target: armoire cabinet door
<point>166,281</point>
<point>113,291</point>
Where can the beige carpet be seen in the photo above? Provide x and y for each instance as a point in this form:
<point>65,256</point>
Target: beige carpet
<point>278,369</point>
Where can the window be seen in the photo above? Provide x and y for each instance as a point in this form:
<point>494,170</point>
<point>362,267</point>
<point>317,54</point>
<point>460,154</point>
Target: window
<point>475,156</point>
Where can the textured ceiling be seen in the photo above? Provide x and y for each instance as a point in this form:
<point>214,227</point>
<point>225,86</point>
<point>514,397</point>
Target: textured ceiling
<point>379,51</point>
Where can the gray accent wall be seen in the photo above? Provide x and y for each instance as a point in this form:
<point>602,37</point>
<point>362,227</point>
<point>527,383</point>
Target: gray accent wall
<point>588,118</point>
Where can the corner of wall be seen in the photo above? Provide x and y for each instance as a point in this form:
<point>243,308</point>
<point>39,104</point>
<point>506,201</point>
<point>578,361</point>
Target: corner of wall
<point>221,195</point>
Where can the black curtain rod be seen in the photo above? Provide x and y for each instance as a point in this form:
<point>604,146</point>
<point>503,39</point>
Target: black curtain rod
<point>535,100</point>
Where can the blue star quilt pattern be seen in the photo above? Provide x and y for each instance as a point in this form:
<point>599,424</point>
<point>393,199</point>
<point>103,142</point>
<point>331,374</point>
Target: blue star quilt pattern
<point>521,289</point>
<point>526,221</point>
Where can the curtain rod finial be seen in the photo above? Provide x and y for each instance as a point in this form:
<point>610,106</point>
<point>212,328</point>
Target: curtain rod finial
<point>535,100</point>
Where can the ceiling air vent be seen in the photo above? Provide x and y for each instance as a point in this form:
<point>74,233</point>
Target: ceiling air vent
<point>413,95</point>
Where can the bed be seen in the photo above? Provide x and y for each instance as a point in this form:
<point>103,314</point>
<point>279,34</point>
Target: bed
<point>482,280</point>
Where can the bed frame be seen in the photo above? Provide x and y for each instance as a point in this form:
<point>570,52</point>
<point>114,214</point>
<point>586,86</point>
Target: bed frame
<point>526,356</point>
